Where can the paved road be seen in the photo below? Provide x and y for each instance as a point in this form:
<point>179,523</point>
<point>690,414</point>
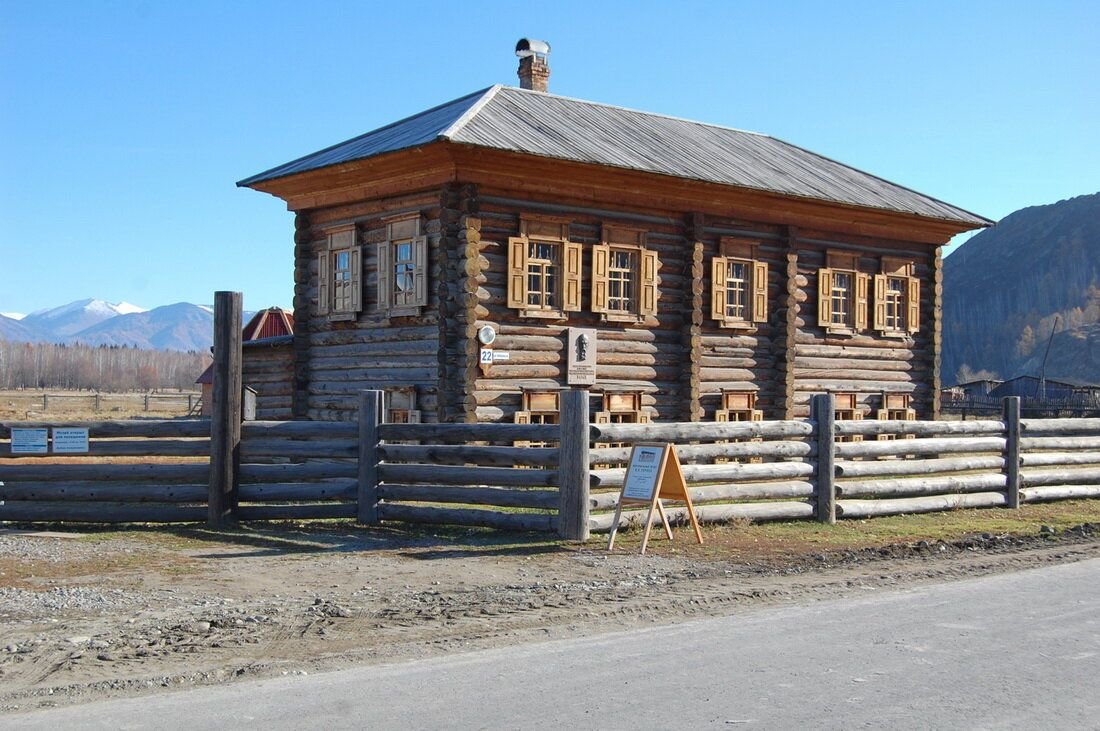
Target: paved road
<point>1012,651</point>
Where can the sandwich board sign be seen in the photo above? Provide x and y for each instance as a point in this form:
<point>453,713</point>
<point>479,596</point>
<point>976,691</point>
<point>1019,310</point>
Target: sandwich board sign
<point>652,474</point>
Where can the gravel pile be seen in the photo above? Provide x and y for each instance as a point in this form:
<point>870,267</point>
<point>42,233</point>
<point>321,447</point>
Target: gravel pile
<point>65,598</point>
<point>53,550</point>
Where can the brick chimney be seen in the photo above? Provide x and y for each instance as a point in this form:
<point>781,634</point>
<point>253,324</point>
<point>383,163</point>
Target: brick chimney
<point>534,65</point>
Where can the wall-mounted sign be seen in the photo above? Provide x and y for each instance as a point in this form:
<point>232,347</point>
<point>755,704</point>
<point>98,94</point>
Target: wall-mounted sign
<point>581,361</point>
<point>653,473</point>
<point>486,356</point>
<point>30,441</point>
<point>501,355</point>
<point>486,335</point>
<point>70,441</point>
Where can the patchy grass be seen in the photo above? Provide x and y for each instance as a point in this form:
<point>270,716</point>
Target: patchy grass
<point>744,540</point>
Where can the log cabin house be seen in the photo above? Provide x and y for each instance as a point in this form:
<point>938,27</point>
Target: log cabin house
<point>717,274</point>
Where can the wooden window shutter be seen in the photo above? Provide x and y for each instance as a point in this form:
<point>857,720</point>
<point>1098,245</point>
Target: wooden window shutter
<point>718,266</point>
<point>517,272</point>
<point>760,291</point>
<point>913,303</point>
<point>324,284</point>
<point>571,284</point>
<point>878,322</point>
<point>647,304</point>
<point>385,276</point>
<point>601,259</point>
<point>420,273</point>
<point>824,297</point>
<point>863,283</point>
<point>356,261</point>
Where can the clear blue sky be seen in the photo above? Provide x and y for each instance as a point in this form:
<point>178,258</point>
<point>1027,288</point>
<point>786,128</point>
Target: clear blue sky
<point>124,125</point>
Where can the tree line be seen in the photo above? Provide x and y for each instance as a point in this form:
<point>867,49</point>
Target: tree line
<point>97,368</point>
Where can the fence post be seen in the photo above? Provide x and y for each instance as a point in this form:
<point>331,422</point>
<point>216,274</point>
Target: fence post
<point>97,402</point>
<point>225,417</point>
<point>1012,451</point>
<point>573,475</point>
<point>821,411</point>
<point>45,402</point>
<point>370,413</point>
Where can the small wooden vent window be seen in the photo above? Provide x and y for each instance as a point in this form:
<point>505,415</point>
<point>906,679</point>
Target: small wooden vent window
<point>739,285</point>
<point>624,275</point>
<point>622,408</point>
<point>403,268</point>
<point>544,269</point>
<point>738,406</point>
<point>897,298</point>
<point>539,407</point>
<point>339,275</point>
<point>842,294</point>
<point>400,406</point>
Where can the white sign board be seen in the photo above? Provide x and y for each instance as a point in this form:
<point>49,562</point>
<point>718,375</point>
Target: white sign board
<point>643,472</point>
<point>486,356</point>
<point>501,355</point>
<point>70,441</point>
<point>29,441</point>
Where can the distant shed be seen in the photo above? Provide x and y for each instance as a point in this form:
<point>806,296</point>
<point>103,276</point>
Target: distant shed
<point>268,364</point>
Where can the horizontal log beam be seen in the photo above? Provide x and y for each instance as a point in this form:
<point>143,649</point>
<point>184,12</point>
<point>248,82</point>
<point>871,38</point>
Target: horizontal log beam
<point>461,455</point>
<point>85,472</point>
<point>129,448</point>
<point>716,473</point>
<point>298,491</point>
<point>874,427</point>
<point>1060,443</point>
<point>725,492</point>
<point>897,447</point>
<point>453,475</point>
<point>920,485</point>
<point>1059,492</point>
<point>116,512</point>
<point>300,430</point>
<point>130,428</point>
<point>124,492</point>
<point>254,447</point>
<point>297,512</point>
<point>906,467</point>
<point>297,472</point>
<point>732,450</point>
<point>461,433</point>
<point>699,431</point>
<point>1033,478</point>
<point>900,506</point>
<point>542,522</point>
<point>1046,459</point>
<point>1035,427</point>
<point>496,496</point>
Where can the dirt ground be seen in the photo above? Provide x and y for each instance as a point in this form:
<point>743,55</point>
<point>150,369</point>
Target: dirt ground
<point>97,614</point>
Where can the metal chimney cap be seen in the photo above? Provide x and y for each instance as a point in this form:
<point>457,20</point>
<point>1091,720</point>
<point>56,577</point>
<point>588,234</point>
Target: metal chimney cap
<point>532,47</point>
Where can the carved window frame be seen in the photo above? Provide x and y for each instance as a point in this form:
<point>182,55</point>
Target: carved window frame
<point>854,297</point>
<point>404,237</point>
<point>566,264</point>
<point>904,321</point>
<point>735,251</point>
<point>643,270</point>
<point>340,241</point>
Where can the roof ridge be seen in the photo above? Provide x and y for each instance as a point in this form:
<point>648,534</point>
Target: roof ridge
<point>638,111</point>
<point>463,120</point>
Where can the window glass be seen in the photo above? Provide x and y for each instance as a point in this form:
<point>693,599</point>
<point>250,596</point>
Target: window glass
<point>842,298</point>
<point>736,276</point>
<point>542,274</point>
<point>621,281</point>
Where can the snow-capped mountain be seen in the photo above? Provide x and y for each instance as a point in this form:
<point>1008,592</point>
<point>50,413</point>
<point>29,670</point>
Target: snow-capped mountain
<point>13,315</point>
<point>59,323</point>
<point>181,326</point>
<point>13,329</point>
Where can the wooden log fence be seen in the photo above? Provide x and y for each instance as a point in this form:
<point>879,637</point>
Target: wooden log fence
<point>490,475</point>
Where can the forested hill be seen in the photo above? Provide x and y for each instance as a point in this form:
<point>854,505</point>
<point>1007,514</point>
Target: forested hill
<point>1006,287</point>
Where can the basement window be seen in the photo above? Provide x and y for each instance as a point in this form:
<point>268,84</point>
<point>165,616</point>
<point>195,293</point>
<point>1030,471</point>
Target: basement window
<point>339,275</point>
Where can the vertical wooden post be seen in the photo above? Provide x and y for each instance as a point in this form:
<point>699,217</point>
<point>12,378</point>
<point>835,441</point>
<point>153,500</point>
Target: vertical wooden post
<point>190,404</point>
<point>370,416</point>
<point>1012,451</point>
<point>573,474</point>
<point>146,401</point>
<point>225,417</point>
<point>45,402</point>
<point>97,403</point>
<point>821,410</point>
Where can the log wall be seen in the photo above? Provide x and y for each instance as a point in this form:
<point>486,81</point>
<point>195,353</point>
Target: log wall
<point>334,360</point>
<point>267,367</point>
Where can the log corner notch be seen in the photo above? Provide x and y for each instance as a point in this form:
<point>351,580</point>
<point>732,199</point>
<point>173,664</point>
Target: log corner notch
<point>370,416</point>
<point>1012,451</point>
<point>225,418</point>
<point>821,411</point>
<point>573,470</point>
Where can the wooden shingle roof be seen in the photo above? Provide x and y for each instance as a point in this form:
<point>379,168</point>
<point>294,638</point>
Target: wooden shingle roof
<point>546,125</point>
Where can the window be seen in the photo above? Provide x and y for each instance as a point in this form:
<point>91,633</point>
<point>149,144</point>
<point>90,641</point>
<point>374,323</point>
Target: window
<point>897,298</point>
<point>539,407</point>
<point>622,408</point>
<point>544,269</point>
<point>739,285</point>
<point>624,275</point>
<point>400,406</point>
<point>842,294</point>
<point>403,268</point>
<point>339,275</point>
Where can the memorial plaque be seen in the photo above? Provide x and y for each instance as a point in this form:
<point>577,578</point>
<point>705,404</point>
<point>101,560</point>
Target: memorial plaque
<point>581,364</point>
